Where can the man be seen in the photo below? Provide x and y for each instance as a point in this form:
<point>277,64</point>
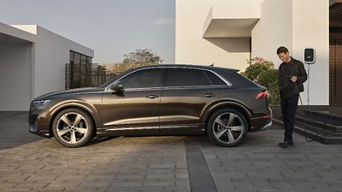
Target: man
<point>292,75</point>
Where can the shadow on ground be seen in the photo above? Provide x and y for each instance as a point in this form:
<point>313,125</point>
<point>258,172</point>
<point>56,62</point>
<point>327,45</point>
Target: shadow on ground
<point>14,130</point>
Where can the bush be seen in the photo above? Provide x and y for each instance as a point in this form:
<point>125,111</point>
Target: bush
<point>261,71</point>
<point>269,79</point>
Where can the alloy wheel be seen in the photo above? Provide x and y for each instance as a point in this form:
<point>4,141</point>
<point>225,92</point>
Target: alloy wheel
<point>228,128</point>
<point>72,128</point>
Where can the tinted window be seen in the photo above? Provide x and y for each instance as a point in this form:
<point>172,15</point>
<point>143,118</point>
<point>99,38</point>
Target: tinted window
<point>214,79</point>
<point>186,77</point>
<point>235,79</point>
<point>116,78</point>
<point>142,79</point>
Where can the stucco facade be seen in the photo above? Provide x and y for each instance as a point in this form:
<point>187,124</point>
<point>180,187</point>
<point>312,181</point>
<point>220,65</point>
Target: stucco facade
<point>229,32</point>
<point>32,63</point>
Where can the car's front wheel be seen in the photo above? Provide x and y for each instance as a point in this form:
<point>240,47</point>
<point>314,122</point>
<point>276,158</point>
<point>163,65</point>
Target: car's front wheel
<point>73,127</point>
<point>227,127</point>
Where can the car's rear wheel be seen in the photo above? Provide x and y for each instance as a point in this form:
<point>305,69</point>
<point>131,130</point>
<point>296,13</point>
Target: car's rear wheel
<point>227,127</point>
<point>73,127</point>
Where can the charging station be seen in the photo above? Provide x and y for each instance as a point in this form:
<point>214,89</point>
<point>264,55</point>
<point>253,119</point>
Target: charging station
<point>309,56</point>
<point>309,59</point>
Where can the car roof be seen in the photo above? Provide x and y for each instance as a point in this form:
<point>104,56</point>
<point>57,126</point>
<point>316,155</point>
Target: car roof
<point>185,66</point>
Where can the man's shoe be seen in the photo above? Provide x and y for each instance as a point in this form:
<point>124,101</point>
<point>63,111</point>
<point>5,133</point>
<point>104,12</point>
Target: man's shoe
<point>284,144</point>
<point>291,142</point>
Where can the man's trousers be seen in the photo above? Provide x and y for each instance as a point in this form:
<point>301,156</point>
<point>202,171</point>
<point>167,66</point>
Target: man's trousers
<point>289,104</point>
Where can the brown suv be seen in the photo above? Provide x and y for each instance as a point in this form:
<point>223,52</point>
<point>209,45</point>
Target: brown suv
<point>154,100</point>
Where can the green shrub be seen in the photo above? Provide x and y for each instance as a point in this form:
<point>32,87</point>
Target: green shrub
<point>261,71</point>
<point>269,79</point>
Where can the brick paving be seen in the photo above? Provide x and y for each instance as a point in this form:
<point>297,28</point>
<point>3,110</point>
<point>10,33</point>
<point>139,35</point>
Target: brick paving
<point>260,165</point>
<point>32,163</point>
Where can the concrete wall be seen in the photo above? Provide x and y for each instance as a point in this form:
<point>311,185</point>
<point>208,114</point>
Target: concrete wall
<point>272,30</point>
<point>16,32</point>
<point>32,63</point>
<point>311,29</point>
<point>236,8</point>
<point>15,76</point>
<point>296,25</point>
<point>192,48</point>
<point>52,52</point>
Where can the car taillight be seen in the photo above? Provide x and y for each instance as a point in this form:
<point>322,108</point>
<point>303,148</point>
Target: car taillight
<point>262,94</point>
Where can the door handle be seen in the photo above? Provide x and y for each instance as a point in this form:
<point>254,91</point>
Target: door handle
<point>208,95</point>
<point>152,96</point>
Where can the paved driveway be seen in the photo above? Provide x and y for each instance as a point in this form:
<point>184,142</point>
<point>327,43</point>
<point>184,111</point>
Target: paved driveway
<point>183,163</point>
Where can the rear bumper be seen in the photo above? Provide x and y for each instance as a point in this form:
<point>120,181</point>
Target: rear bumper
<point>260,123</point>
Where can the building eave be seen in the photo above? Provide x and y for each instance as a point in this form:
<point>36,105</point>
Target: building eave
<point>230,25</point>
<point>16,34</point>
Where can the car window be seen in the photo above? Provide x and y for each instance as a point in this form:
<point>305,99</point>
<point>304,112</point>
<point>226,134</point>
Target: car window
<point>186,77</point>
<point>214,79</point>
<point>142,79</point>
<point>235,79</point>
<point>109,82</point>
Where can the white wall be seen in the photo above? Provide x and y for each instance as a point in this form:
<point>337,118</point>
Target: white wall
<point>51,54</point>
<point>32,62</point>
<point>16,32</point>
<point>311,30</point>
<point>190,46</point>
<point>296,25</point>
<point>236,8</point>
<point>274,29</point>
<point>15,76</point>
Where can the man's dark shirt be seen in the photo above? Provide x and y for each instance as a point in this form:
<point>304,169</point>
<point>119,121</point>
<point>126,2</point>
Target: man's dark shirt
<point>286,71</point>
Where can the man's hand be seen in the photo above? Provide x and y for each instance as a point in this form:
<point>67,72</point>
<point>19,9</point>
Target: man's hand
<point>293,79</point>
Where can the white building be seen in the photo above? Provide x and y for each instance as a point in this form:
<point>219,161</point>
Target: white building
<point>32,62</point>
<point>229,32</point>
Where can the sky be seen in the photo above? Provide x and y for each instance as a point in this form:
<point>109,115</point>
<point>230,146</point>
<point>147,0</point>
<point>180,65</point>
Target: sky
<point>111,28</point>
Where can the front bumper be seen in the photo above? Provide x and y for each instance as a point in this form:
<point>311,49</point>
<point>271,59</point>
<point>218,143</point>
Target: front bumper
<point>38,123</point>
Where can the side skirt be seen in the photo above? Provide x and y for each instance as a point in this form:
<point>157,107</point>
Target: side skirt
<point>188,129</point>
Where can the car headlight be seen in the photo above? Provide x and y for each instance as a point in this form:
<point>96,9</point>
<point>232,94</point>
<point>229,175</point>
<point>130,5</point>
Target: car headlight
<point>41,104</point>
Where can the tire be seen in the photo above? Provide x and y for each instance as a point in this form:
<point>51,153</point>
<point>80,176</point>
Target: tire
<point>227,127</point>
<point>70,133</point>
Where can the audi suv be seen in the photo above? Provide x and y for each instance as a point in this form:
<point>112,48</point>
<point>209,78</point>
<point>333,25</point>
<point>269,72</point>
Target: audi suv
<point>156,100</point>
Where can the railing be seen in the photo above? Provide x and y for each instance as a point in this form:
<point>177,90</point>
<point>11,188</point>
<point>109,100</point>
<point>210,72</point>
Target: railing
<point>85,75</point>
<point>94,75</point>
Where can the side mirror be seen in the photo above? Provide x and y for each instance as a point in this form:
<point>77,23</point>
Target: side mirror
<point>118,88</point>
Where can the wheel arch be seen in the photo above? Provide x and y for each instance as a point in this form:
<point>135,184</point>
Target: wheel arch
<point>86,109</point>
<point>227,104</point>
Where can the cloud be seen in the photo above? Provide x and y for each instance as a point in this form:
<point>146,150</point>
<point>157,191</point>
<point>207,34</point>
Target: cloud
<point>163,21</point>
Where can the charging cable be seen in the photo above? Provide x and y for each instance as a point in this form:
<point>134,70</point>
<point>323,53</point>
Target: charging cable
<point>308,106</point>
<point>301,102</point>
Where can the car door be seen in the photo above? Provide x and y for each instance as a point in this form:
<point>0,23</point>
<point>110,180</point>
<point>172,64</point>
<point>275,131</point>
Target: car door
<point>137,108</point>
<point>188,91</point>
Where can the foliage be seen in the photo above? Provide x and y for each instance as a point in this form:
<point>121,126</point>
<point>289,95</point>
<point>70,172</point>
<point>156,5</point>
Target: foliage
<point>269,79</point>
<point>142,56</point>
<point>256,66</point>
<point>261,71</point>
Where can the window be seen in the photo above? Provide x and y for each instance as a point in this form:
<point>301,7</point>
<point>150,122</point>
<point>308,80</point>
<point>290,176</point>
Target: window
<point>235,79</point>
<point>80,70</point>
<point>214,79</point>
<point>77,58</point>
<point>71,57</point>
<point>186,77</point>
<point>142,79</point>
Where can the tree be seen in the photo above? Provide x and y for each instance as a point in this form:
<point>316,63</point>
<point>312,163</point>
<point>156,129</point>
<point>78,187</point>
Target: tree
<point>142,56</point>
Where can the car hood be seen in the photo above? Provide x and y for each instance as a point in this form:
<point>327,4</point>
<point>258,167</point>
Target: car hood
<point>70,91</point>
